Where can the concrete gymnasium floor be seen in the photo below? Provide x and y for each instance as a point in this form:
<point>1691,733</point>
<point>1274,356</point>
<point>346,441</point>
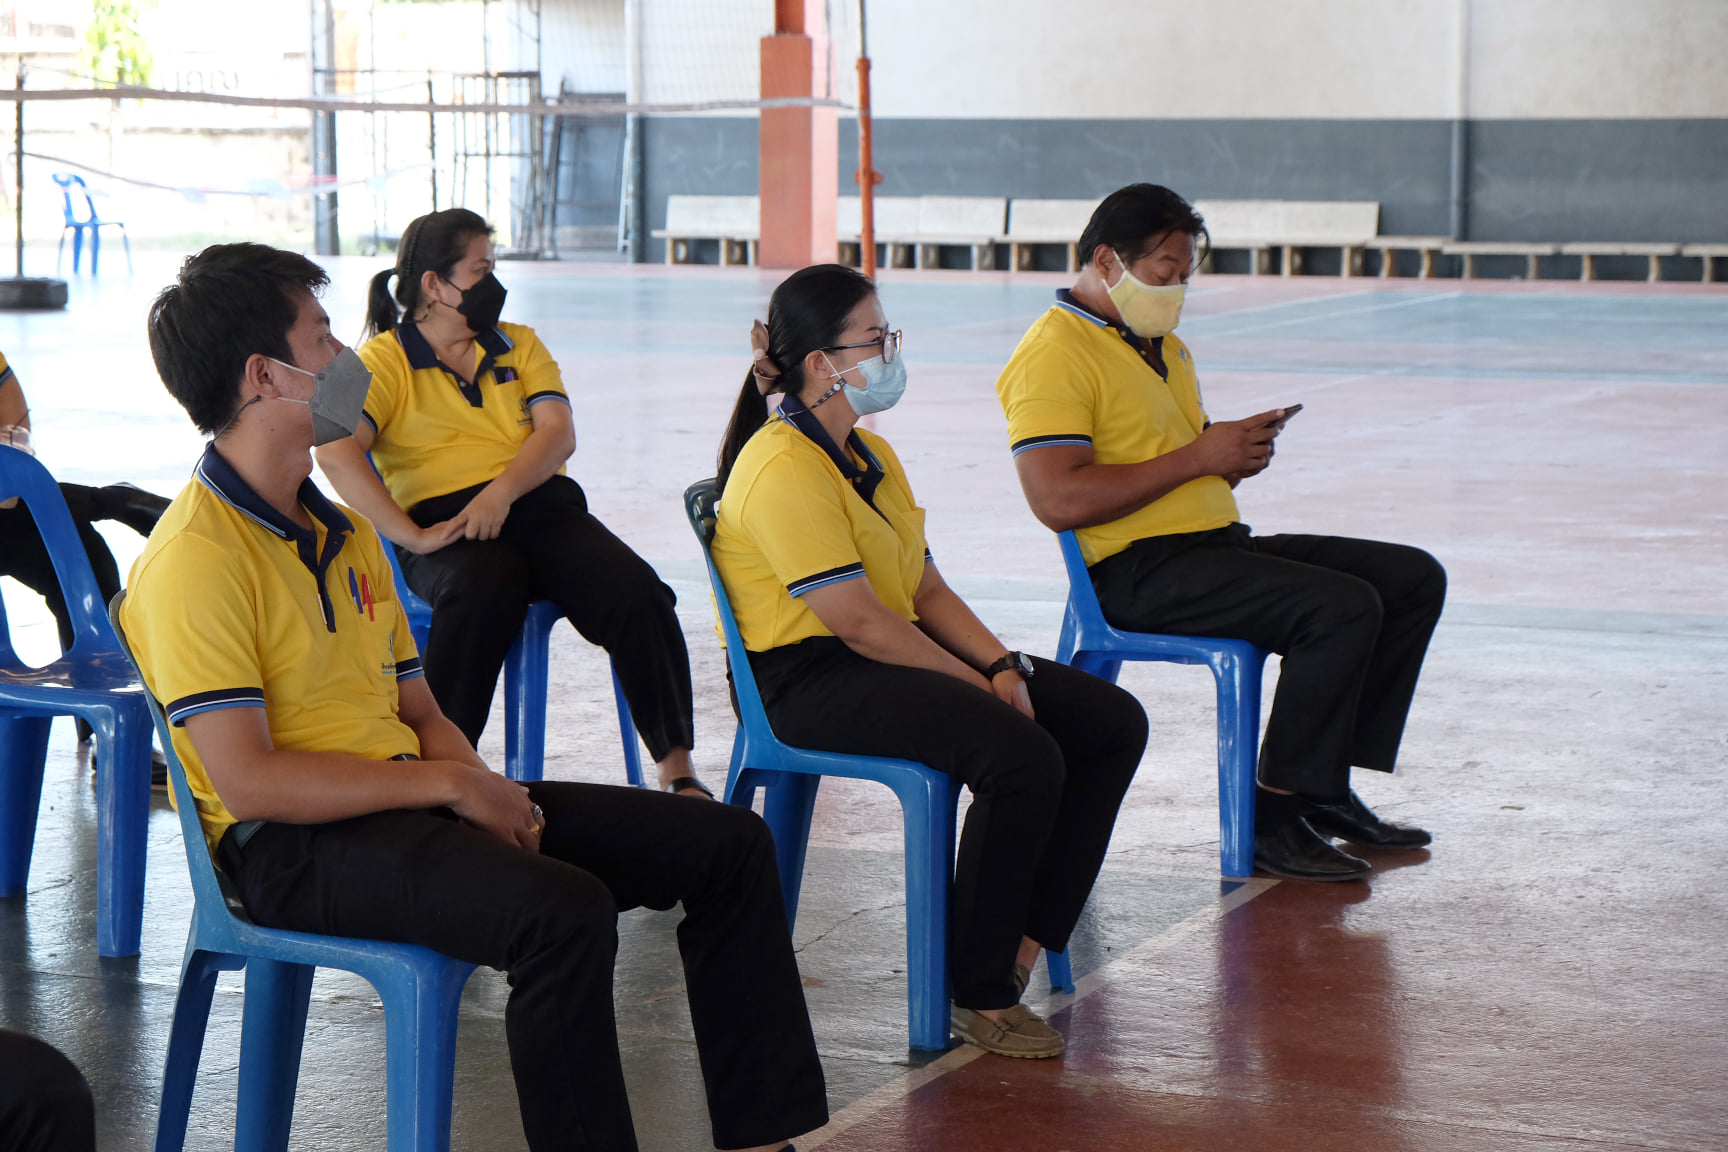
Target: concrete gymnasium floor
<point>1549,976</point>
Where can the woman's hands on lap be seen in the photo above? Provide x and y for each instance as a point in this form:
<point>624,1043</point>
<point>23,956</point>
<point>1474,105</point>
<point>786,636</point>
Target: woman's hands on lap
<point>1010,688</point>
<point>483,518</point>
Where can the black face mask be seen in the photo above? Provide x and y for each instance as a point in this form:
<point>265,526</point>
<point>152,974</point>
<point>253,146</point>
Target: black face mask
<point>482,304</point>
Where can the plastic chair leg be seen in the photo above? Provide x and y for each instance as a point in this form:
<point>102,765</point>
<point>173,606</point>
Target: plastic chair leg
<point>1238,679</point>
<point>272,1033</point>
<point>95,249</point>
<point>787,809</point>
<point>1061,975</point>
<point>23,753</point>
<point>420,1057</point>
<point>127,241</point>
<point>929,822</point>
<point>627,733</point>
<point>525,675</point>
<point>77,248</point>
<point>185,1046</point>
<point>122,823</point>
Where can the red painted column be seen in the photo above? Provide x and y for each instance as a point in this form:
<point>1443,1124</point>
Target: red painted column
<point>799,147</point>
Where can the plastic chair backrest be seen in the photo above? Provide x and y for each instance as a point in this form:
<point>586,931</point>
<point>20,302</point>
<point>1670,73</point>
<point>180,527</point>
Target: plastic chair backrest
<point>701,501</point>
<point>23,475</point>
<point>66,180</point>
<point>1081,595</point>
<point>207,888</point>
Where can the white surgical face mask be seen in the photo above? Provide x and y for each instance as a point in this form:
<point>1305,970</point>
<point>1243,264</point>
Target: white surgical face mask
<point>1149,310</point>
<point>338,395</point>
<point>884,384</point>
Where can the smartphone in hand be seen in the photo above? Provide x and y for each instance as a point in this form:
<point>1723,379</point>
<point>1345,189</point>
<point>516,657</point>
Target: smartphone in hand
<point>1289,411</point>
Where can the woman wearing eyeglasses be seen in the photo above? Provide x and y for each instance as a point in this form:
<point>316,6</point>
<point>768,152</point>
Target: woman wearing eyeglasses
<point>858,646</point>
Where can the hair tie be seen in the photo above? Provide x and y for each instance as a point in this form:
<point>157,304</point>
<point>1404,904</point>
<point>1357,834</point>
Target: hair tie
<point>762,365</point>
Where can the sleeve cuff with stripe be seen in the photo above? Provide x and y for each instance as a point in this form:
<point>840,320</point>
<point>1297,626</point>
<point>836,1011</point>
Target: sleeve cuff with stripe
<point>1031,442</point>
<point>186,706</point>
<point>409,668</point>
<point>536,397</point>
<point>823,579</point>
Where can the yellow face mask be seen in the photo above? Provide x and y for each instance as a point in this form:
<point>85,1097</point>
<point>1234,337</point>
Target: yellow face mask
<point>1148,310</point>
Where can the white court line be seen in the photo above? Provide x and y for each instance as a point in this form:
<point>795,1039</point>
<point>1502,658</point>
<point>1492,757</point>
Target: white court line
<point>867,1106</point>
<point>1424,298</point>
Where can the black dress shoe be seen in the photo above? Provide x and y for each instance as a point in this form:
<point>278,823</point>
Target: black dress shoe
<point>1352,820</point>
<point>1295,851</point>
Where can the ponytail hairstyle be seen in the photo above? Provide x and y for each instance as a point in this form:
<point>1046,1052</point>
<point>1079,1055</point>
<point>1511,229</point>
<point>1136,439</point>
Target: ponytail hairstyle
<point>435,242</point>
<point>807,313</point>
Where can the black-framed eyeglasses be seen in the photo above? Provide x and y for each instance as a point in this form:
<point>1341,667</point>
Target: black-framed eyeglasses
<point>889,343</point>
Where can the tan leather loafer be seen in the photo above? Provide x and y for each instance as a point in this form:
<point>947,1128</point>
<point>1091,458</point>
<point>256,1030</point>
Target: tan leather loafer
<point>1018,1032</point>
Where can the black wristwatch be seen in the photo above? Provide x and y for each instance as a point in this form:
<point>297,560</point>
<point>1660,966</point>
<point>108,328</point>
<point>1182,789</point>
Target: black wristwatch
<point>1012,662</point>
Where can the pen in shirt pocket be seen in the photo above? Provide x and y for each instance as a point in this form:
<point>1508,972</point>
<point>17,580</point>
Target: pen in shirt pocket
<point>354,591</point>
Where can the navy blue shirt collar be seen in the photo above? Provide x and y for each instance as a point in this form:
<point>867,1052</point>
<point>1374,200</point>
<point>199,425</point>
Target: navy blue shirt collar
<point>1150,350</point>
<point>493,344</point>
<point>220,477</point>
<point>865,479</point>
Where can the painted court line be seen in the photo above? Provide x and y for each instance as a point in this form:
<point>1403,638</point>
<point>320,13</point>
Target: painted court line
<point>867,1106</point>
<point>1410,302</point>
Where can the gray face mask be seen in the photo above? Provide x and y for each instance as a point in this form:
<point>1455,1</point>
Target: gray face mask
<point>338,396</point>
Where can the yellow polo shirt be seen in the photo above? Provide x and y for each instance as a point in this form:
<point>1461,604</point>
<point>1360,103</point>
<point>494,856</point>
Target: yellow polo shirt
<point>1075,380</point>
<point>226,608</point>
<point>434,433</point>
<point>790,522</point>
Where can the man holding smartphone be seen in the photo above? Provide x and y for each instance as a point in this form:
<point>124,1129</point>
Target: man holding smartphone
<point>1110,439</point>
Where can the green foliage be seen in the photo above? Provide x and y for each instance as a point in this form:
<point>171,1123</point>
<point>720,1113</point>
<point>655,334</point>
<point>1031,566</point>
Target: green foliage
<point>114,48</point>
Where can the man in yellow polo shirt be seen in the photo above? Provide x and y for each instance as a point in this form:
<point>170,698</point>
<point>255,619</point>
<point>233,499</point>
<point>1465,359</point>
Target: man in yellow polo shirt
<point>1110,439</point>
<point>339,798</point>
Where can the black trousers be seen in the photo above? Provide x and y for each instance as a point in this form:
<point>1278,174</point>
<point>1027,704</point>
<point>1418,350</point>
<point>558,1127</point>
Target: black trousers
<point>45,1103</point>
<point>24,557</point>
<point>551,548</point>
<point>1351,619</point>
<point>1044,793</point>
<point>550,922</point>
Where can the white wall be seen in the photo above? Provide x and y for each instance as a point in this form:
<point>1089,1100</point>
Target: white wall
<point>1327,59</point>
<point>1609,59</point>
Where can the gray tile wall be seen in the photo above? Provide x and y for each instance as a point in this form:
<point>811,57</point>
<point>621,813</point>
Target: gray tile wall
<point>1529,179</point>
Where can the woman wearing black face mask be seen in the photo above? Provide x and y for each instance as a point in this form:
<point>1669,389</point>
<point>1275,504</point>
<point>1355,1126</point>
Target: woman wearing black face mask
<point>468,423</point>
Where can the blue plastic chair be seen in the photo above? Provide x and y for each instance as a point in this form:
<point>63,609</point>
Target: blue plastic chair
<point>791,777</point>
<point>1091,643</point>
<point>420,990</point>
<point>526,675</point>
<point>92,221</point>
<point>92,681</point>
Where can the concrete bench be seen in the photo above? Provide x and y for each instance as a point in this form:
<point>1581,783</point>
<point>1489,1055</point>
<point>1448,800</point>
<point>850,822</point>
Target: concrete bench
<point>1471,249</point>
<point>735,221</point>
<point>1046,222</point>
<point>1706,253</point>
<point>914,227</point>
<point>1290,226</point>
<point>974,222</point>
<point>1427,246</point>
<point>1591,249</point>
<point>896,227</point>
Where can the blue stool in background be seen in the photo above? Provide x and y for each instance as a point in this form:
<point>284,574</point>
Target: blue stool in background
<point>420,990</point>
<point>91,221</point>
<point>1092,644</point>
<point>95,682</point>
<point>791,777</point>
<point>526,673</point>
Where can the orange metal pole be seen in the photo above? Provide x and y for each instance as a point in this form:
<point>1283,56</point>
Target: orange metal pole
<point>866,177</point>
